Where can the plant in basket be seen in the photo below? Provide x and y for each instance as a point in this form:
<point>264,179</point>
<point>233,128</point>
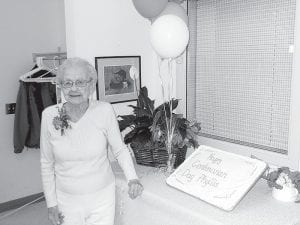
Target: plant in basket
<point>151,129</point>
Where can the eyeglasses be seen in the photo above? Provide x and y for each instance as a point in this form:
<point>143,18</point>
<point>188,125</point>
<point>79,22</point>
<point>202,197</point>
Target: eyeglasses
<point>78,83</point>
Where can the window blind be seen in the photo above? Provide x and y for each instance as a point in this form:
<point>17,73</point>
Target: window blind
<point>239,70</point>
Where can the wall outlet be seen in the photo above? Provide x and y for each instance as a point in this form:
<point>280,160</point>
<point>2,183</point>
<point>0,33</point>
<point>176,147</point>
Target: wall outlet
<point>10,108</point>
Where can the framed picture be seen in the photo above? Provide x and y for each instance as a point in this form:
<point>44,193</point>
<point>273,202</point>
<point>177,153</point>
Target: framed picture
<point>119,78</point>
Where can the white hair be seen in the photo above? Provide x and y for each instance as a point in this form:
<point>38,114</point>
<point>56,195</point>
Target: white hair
<point>79,63</point>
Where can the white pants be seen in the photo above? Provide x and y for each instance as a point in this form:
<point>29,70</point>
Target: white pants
<point>90,209</point>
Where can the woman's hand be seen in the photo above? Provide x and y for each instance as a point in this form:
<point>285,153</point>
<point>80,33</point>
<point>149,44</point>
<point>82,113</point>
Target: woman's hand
<point>135,188</point>
<point>55,216</point>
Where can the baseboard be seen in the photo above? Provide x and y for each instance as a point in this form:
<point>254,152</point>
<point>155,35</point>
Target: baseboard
<point>20,202</point>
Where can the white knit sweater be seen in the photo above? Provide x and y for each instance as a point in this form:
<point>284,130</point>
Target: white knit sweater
<point>77,162</point>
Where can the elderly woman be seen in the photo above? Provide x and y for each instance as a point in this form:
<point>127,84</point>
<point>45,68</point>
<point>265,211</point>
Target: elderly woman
<point>78,182</point>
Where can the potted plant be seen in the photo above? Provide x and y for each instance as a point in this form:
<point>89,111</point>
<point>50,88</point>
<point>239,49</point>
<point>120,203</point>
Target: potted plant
<point>150,129</point>
<point>285,184</point>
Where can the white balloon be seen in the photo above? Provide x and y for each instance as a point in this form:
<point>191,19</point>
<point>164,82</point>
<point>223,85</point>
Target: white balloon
<point>169,36</point>
<point>175,9</point>
<point>133,72</point>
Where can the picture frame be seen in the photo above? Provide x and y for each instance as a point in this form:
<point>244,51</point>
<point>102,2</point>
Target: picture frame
<point>119,78</point>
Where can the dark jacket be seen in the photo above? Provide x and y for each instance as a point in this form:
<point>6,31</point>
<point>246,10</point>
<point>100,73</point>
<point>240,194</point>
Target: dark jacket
<point>32,99</point>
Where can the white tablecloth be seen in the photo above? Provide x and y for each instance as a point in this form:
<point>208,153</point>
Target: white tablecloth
<point>161,204</point>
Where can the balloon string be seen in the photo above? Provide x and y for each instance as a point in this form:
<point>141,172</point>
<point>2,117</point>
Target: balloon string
<point>171,89</point>
<point>170,105</point>
<point>159,62</point>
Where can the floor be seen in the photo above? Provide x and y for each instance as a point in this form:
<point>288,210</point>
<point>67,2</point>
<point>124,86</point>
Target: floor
<point>35,214</point>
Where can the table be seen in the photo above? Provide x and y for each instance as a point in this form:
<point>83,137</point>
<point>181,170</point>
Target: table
<point>161,204</point>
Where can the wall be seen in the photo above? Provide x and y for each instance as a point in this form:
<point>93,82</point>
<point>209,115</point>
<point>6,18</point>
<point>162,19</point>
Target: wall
<point>26,27</point>
<point>93,28</point>
<point>112,28</point>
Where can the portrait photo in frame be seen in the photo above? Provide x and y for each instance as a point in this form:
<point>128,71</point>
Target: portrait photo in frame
<point>119,78</point>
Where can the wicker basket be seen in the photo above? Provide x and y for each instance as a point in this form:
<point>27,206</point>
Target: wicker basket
<point>157,156</point>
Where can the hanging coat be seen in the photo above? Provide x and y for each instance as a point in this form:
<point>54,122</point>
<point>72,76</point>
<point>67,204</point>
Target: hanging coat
<point>32,99</point>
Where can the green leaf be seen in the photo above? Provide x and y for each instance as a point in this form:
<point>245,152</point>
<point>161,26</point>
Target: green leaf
<point>144,101</point>
<point>144,112</point>
<point>182,126</point>
<point>177,139</point>
<point>129,136</point>
<point>156,119</point>
<point>272,177</point>
<point>284,170</point>
<point>166,106</point>
<point>143,121</point>
<point>126,121</point>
